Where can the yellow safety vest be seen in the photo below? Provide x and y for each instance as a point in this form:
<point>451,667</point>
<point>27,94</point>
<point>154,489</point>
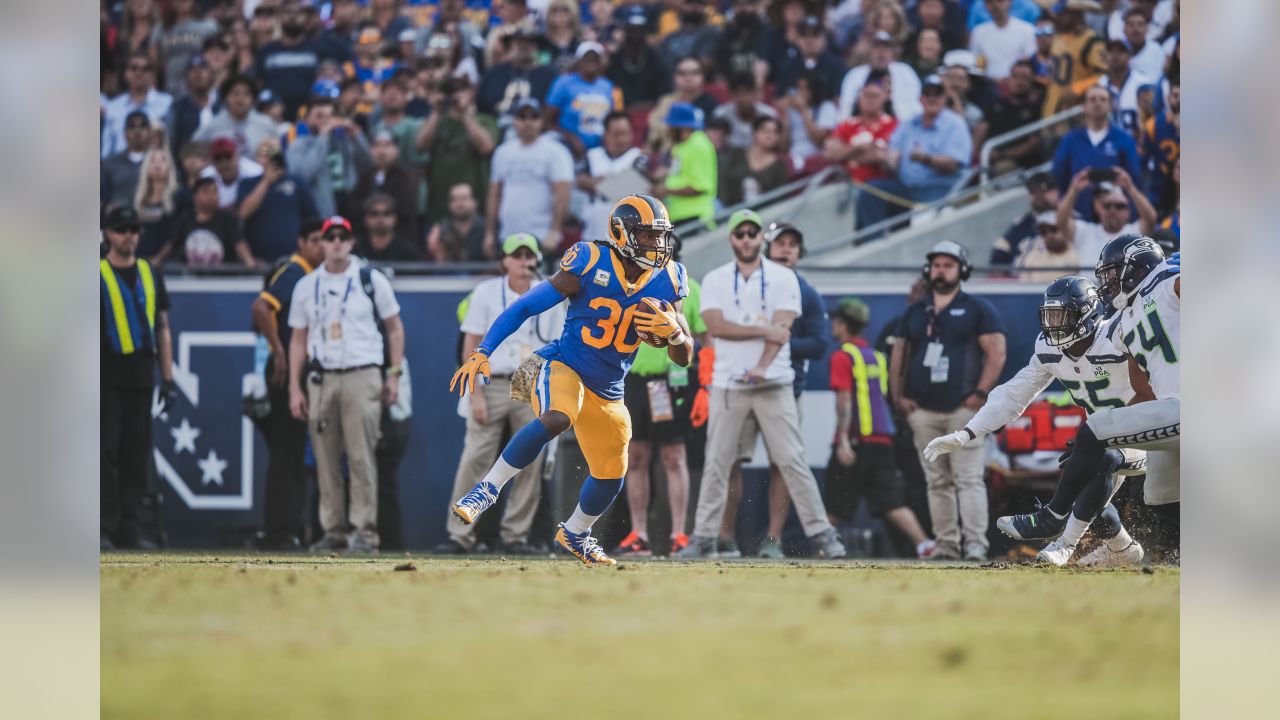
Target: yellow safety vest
<point>862,381</point>
<point>124,325</point>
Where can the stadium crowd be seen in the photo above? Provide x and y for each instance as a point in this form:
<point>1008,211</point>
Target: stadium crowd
<point>231,128</point>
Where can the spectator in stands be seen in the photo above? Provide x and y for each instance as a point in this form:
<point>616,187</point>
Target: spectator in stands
<point>616,154</point>
<point>329,158</point>
<point>1001,41</point>
<point>636,69</point>
<point>1148,56</point>
<point>694,38</point>
<point>389,176</point>
<point>202,228</point>
<point>885,17</point>
<point>926,52</point>
<point>950,353</point>
<point>459,141</point>
<point>273,205</point>
<point>942,17</point>
<point>288,65</point>
<point>393,118</point>
<point>140,95</point>
<point>263,28</point>
<point>120,171</point>
<point>139,28</point>
<point>861,141</point>
<point>519,77</point>
<point>1111,205</point>
<point>382,240</point>
<point>516,18</point>
<point>371,66</point>
<point>1042,196</point>
<point>1072,38</point>
<point>1125,87</point>
<point>925,157</point>
<point>1049,255</point>
<point>490,411</point>
<point>344,20</point>
<point>229,167</point>
<point>1018,107</point>
<point>808,115</point>
<point>579,100</point>
<point>957,80</point>
<point>217,54</point>
<point>779,43</point>
<point>1100,144</point>
<point>738,49</point>
<point>1042,60</point>
<point>1159,14</point>
<point>861,462</point>
<point>564,32</point>
<point>459,235</point>
<point>688,182</point>
<point>182,40</point>
<point>745,174</point>
<point>156,200</point>
<point>530,183</point>
<point>690,87</point>
<point>904,84</point>
<point>743,109</point>
<point>813,56</point>
<point>195,107</point>
<point>193,159</point>
<point>1162,146</point>
<point>238,120</point>
<point>1025,10</point>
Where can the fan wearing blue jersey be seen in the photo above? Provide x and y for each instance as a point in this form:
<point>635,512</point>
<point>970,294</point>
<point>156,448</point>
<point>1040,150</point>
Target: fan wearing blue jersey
<point>622,290</point>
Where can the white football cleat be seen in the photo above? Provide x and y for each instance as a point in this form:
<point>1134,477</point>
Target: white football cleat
<point>1104,556</point>
<point>1056,553</point>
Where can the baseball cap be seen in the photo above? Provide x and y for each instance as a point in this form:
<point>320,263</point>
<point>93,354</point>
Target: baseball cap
<point>1121,43</point>
<point>222,146</point>
<point>1048,217</point>
<point>335,221</point>
<point>589,46</point>
<point>196,61</point>
<point>137,115</point>
<point>951,248</point>
<point>121,217</point>
<point>1044,30</point>
<point>325,88</point>
<point>743,216</point>
<point>384,134</point>
<point>811,22</point>
<point>1040,179</point>
<point>684,115</point>
<point>268,97</point>
<point>962,58</point>
<point>1109,190</point>
<point>407,35</point>
<point>526,103</point>
<point>883,38</point>
<point>777,230</point>
<point>636,17</point>
<point>932,81</point>
<point>522,240</point>
<point>369,35</point>
<point>854,310</point>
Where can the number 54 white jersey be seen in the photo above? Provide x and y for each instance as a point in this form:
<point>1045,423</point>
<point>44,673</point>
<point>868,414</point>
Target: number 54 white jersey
<point>1149,329</point>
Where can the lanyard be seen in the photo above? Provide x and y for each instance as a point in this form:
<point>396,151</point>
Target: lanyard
<point>537,319</point>
<point>736,302</point>
<point>319,306</point>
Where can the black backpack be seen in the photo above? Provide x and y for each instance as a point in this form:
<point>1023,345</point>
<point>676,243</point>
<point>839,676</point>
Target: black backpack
<point>366,283</point>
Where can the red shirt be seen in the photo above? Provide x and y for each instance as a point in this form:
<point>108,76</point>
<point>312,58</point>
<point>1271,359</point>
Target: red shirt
<point>842,379</point>
<point>878,131</point>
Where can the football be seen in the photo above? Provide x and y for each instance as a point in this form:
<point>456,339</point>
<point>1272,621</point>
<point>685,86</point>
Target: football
<point>651,339</point>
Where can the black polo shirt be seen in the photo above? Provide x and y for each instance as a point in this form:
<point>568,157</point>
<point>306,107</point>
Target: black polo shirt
<point>957,327</point>
<point>279,293</point>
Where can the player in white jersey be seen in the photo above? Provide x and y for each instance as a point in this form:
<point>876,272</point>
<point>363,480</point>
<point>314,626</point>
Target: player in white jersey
<point>1073,349</point>
<point>1135,279</point>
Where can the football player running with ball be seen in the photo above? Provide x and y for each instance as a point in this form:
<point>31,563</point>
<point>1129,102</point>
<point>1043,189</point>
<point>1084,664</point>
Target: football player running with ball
<point>621,291</point>
<point>1073,349</point>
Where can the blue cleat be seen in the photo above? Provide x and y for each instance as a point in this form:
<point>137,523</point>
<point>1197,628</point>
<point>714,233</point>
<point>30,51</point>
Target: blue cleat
<point>481,498</point>
<point>1039,525</point>
<point>584,547</point>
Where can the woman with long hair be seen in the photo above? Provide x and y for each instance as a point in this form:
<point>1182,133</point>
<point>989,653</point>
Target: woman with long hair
<point>139,31</point>
<point>156,199</point>
<point>808,115</point>
<point>748,173</point>
<point>885,16</point>
<point>564,32</point>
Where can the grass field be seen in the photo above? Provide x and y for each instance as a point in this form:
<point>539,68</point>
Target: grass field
<point>226,636</point>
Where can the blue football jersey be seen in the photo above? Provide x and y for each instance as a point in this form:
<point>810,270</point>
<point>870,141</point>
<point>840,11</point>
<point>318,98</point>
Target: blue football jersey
<point>599,340</point>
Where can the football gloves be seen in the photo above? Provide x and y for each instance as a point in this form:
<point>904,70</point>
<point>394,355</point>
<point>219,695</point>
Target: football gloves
<point>662,321</point>
<point>940,446</point>
<point>465,378</point>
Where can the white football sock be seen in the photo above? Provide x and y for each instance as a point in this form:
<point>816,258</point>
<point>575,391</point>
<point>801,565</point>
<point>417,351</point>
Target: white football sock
<point>1051,512</point>
<point>1075,530</point>
<point>580,522</point>
<point>1120,541</point>
<point>500,473</point>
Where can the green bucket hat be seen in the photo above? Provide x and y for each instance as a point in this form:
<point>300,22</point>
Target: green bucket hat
<point>522,240</point>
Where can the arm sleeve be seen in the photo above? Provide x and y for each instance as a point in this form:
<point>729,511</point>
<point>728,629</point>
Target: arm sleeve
<point>1007,402</point>
<point>299,307</point>
<point>960,143</point>
<point>476,319</point>
<point>307,159</point>
<point>577,260</point>
<point>841,377</point>
<point>538,300</point>
<point>561,164</point>
<point>788,293</point>
<point>814,336</point>
<point>990,322</point>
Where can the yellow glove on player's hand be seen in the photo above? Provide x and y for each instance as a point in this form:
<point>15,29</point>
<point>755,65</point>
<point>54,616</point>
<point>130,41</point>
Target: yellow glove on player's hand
<point>661,321</point>
<point>465,379</point>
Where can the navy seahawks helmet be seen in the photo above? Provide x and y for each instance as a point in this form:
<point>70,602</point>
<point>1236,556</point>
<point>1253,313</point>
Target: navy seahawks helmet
<point>1124,263</point>
<point>1070,311</point>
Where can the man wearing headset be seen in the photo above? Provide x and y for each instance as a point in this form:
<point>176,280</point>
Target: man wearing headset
<point>951,353</point>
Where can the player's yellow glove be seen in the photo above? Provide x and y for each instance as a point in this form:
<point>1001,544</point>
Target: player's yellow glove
<point>465,379</point>
<point>662,321</point>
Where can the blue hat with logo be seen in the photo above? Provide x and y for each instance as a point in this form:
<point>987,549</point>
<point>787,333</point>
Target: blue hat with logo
<point>684,115</point>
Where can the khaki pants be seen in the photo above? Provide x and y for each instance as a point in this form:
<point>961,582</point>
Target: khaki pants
<point>774,410</point>
<point>479,451</point>
<point>346,414</point>
<point>957,493</point>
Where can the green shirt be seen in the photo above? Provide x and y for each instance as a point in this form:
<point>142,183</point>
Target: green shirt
<point>453,161</point>
<point>693,165</point>
<point>652,361</point>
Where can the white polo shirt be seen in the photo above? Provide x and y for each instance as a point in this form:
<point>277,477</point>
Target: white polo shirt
<point>750,301</point>
<point>487,302</point>
<point>338,316</point>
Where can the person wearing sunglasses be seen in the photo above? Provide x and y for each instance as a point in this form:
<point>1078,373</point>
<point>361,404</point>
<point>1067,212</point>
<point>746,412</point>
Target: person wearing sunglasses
<point>1111,205</point>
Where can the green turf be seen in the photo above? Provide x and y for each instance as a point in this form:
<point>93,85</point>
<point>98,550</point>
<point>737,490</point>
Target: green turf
<point>204,636</point>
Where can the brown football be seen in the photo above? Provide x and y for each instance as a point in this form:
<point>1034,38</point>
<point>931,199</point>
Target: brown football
<point>651,339</point>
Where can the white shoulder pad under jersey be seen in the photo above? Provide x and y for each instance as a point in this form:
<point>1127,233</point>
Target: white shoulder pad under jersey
<point>1149,329</point>
<point>1098,380</point>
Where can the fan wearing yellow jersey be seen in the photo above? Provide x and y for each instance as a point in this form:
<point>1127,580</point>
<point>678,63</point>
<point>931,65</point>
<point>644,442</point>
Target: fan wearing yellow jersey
<point>1077,54</point>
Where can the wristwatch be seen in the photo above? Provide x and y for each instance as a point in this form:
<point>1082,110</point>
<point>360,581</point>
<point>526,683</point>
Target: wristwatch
<point>396,371</point>
<point>982,394</point>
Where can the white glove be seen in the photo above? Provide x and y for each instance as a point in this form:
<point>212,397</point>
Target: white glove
<point>940,446</point>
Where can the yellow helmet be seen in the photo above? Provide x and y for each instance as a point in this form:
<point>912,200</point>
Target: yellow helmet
<point>641,212</point>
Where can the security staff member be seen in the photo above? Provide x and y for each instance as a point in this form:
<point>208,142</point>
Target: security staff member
<point>134,323</point>
<point>336,335</point>
<point>950,353</point>
<point>282,514</point>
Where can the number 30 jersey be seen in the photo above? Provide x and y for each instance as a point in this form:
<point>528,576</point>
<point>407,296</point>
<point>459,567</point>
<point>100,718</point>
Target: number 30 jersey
<point>599,341</point>
<point>1098,380</point>
<point>1149,329</point>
